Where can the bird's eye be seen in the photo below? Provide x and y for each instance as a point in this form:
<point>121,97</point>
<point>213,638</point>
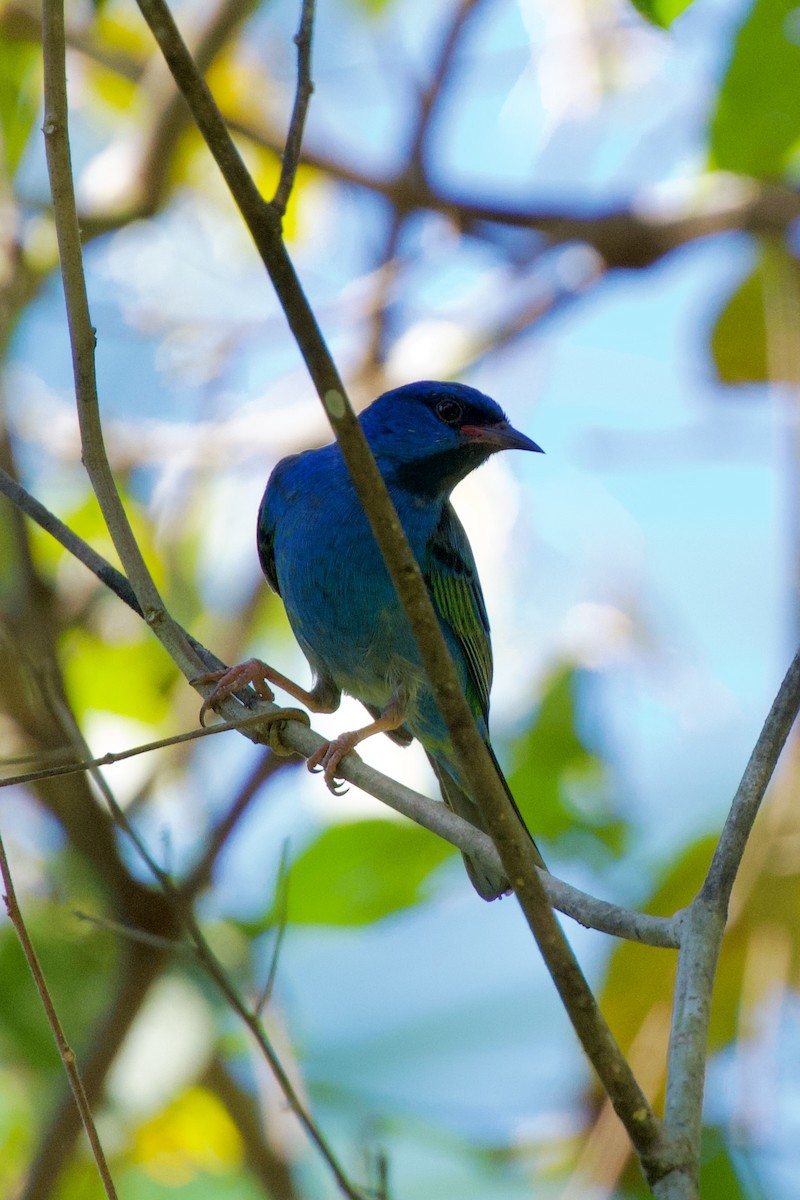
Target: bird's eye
<point>449,411</point>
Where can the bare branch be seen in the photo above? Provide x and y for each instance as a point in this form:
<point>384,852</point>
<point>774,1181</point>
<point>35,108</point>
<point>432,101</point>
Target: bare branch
<point>587,910</point>
<point>703,927</point>
<point>750,792</point>
<point>66,1054</point>
<point>82,339</point>
<point>294,137</point>
<point>432,94</point>
<point>281,923</point>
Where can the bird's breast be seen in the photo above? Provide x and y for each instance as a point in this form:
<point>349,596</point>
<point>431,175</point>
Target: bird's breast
<point>339,598</point>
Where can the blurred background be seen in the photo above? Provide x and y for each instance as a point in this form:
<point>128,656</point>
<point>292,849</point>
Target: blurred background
<point>586,210</point>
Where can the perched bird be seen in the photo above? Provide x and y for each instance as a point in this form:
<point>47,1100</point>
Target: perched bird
<point>318,553</point>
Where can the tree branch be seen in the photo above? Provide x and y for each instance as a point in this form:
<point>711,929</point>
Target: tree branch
<point>290,159</point>
<point>517,853</point>
<point>703,927</point>
<point>82,339</point>
<point>66,1054</point>
<point>750,792</point>
<point>587,910</point>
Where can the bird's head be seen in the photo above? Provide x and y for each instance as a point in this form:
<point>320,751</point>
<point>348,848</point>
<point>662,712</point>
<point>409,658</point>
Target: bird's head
<point>428,436</point>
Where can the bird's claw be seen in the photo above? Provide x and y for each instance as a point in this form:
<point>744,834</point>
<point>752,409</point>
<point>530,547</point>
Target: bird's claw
<point>327,759</point>
<point>233,679</point>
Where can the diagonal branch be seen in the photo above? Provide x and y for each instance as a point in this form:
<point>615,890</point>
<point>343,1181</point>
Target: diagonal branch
<point>750,792</point>
<point>703,927</point>
<point>516,852</point>
<point>66,1054</point>
<point>587,910</point>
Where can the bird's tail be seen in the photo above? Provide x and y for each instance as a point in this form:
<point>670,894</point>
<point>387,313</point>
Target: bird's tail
<point>488,884</point>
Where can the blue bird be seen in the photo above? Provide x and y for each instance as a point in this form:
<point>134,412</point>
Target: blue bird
<point>318,553</point>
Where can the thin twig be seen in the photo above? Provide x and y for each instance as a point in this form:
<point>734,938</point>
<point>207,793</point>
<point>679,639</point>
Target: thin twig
<point>290,160</point>
<point>76,546</point>
<point>703,927</point>
<point>106,760</point>
<point>82,340</point>
<point>165,103</point>
<point>66,1054</point>
<point>753,785</point>
<point>99,566</point>
<point>587,910</point>
<point>411,178</point>
<point>216,971</point>
<point>132,934</point>
<point>268,1155</point>
<point>281,922</point>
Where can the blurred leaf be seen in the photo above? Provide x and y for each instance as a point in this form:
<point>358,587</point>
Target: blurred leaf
<point>119,32</point>
<point>87,521</point>
<point>131,678</point>
<point>661,12</point>
<point>17,1113</point>
<point>762,942</point>
<point>756,125</point>
<point>134,1183</point>
<point>717,1173</point>
<point>77,962</point>
<point>192,1135</point>
<point>626,998</point>
<point>739,343</point>
<point>190,164</point>
<point>372,8</point>
<point>19,97</point>
<point>109,87</point>
<point>739,336</point>
<point>556,780</point>
<point>359,872</point>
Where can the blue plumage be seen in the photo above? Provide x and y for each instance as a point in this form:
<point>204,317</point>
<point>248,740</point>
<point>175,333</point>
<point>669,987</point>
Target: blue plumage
<point>318,553</point>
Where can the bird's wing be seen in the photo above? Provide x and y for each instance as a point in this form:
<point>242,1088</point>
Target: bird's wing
<point>452,578</point>
<point>268,522</point>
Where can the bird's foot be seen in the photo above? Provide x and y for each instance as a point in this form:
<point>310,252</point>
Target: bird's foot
<point>328,757</point>
<point>252,672</point>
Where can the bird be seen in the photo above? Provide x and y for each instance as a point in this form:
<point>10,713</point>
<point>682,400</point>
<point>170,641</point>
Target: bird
<point>318,553</point>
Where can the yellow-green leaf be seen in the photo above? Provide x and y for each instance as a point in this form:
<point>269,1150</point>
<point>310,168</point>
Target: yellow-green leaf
<point>357,873</point>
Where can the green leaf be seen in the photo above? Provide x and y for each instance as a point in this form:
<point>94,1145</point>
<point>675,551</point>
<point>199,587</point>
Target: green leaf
<point>717,1173</point>
<point>626,1003</point>
<point>19,97</point>
<point>740,344</point>
<point>739,336</point>
<point>756,126</point>
<point>131,678</point>
<point>661,12</point>
<point>557,781</point>
<point>78,963</point>
<point>372,8</point>
<point>357,873</point>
